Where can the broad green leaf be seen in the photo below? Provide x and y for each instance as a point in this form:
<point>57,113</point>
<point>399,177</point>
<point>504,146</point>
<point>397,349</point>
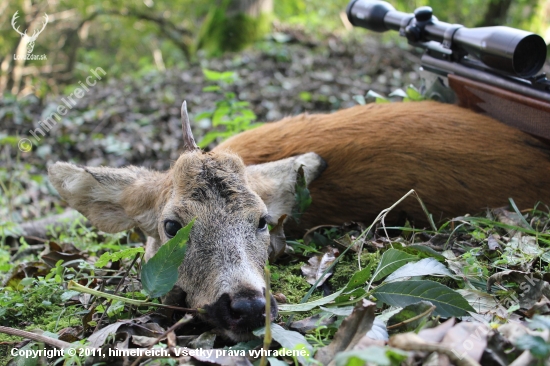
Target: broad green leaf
<point>448,302</point>
<point>535,344</point>
<point>289,339</point>
<point>307,306</point>
<point>391,260</point>
<point>424,267</point>
<point>160,273</point>
<point>359,278</point>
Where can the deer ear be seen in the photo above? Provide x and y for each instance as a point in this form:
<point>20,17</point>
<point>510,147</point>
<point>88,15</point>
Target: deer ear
<point>113,199</point>
<point>275,182</point>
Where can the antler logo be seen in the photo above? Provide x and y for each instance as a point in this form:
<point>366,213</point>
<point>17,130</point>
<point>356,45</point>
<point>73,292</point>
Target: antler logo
<point>30,39</point>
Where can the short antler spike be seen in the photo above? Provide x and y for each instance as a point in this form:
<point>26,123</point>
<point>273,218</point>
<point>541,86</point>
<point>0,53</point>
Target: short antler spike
<point>188,139</point>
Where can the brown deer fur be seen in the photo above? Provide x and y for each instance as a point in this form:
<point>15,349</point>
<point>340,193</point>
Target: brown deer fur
<point>458,161</point>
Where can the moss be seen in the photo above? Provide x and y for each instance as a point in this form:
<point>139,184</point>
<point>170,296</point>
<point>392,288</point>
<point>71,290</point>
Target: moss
<point>289,281</point>
<point>347,267</point>
<point>6,344</point>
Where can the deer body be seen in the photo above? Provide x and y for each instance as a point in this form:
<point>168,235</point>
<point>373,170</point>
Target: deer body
<point>458,161</point>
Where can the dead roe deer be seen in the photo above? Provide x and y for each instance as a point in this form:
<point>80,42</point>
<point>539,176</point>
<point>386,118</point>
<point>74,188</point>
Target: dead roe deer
<point>458,161</point>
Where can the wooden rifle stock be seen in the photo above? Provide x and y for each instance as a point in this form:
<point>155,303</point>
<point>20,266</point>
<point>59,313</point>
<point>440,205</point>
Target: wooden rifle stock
<point>528,114</point>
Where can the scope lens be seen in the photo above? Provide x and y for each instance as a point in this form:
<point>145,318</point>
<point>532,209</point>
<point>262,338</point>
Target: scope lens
<point>529,55</point>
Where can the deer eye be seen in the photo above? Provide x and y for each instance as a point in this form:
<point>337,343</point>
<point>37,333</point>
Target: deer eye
<point>262,224</point>
<point>171,228</point>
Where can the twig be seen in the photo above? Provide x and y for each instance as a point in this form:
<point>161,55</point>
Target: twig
<point>35,337</point>
<point>75,286</point>
<point>186,319</point>
<point>267,335</point>
<point>116,290</point>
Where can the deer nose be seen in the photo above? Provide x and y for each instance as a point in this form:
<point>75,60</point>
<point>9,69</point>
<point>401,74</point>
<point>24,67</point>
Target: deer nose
<point>252,309</point>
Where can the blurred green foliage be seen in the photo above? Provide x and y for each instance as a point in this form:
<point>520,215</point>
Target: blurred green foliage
<point>135,37</point>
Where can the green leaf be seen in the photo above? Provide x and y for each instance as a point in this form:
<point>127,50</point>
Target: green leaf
<point>411,317</point>
<point>307,306</point>
<point>160,273</point>
<point>209,138</point>
<point>424,267</point>
<point>359,278</point>
<point>219,114</point>
<point>211,75</point>
<point>211,88</point>
<point>382,356</point>
<point>289,339</point>
<point>535,344</point>
<point>424,251</point>
<point>379,98</point>
<point>413,94</point>
<point>203,115</point>
<point>448,302</point>
<point>398,93</point>
<point>391,260</point>
<point>116,256</point>
<point>302,196</point>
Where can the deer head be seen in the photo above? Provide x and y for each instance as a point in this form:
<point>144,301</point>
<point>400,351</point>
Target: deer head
<point>232,205</point>
<point>30,39</point>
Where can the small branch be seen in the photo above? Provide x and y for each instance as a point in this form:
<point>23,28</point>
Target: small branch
<point>116,290</point>
<point>186,319</point>
<point>76,287</point>
<point>35,337</point>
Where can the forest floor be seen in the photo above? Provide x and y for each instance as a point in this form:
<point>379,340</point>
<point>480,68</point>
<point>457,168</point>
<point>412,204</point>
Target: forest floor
<point>489,271</point>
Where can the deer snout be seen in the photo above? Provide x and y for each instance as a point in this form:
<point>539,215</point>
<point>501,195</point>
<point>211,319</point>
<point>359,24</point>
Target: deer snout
<point>240,313</point>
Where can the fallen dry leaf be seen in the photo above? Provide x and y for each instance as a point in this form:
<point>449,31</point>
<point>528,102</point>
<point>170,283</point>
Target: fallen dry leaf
<point>318,264</point>
<point>350,332</point>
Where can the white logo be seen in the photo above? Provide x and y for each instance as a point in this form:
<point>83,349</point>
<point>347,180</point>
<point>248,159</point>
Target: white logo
<point>29,39</point>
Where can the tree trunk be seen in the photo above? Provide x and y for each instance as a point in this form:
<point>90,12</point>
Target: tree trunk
<point>496,13</point>
<point>234,25</point>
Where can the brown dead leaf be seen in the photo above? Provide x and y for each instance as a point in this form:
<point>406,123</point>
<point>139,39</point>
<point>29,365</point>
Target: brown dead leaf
<point>318,264</point>
<point>542,307</point>
<point>24,270</point>
<point>436,334</point>
<point>54,252</point>
<point>70,334</point>
<point>305,325</point>
<point>467,339</point>
<point>532,286</point>
<point>350,332</point>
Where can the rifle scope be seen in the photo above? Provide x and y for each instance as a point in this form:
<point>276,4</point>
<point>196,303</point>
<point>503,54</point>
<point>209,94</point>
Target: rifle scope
<point>509,50</point>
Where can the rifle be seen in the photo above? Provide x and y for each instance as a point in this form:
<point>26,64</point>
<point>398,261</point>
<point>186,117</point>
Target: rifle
<point>491,70</point>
